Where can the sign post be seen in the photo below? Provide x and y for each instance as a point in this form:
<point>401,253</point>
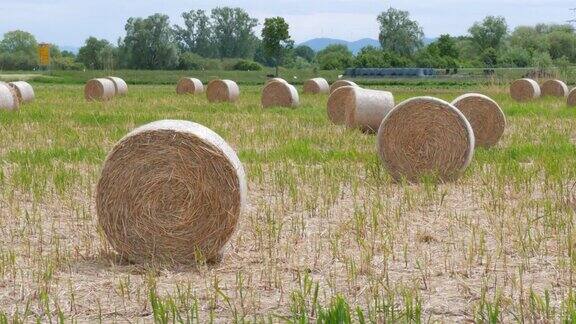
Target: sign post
<point>44,55</point>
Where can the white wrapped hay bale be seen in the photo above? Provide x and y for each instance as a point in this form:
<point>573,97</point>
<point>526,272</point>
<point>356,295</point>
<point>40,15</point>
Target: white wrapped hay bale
<point>120,86</point>
<point>222,91</point>
<point>24,91</point>
<point>555,88</point>
<point>8,97</point>
<point>316,86</point>
<point>341,83</point>
<point>280,94</point>
<point>485,116</point>
<point>99,89</point>
<point>189,86</point>
<point>525,90</point>
<point>425,136</point>
<point>359,108</point>
<point>171,192</point>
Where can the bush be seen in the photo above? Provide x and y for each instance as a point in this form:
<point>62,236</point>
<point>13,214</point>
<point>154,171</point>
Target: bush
<point>335,57</point>
<point>192,61</point>
<point>66,63</point>
<point>245,65</point>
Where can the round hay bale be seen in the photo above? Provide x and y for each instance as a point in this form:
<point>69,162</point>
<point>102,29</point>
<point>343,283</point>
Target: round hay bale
<point>275,79</point>
<point>525,90</point>
<point>8,97</point>
<point>280,94</point>
<point>425,137</point>
<point>222,91</point>
<point>484,115</point>
<point>554,88</point>
<point>316,86</point>
<point>189,86</point>
<point>120,86</point>
<point>359,108</point>
<point>572,98</point>
<point>24,91</point>
<point>99,89</point>
<point>341,83</point>
<point>171,192</point>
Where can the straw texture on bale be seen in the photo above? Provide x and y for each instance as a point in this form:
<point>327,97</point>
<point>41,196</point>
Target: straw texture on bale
<point>275,79</point>
<point>99,89</point>
<point>555,88</point>
<point>484,115</point>
<point>222,91</point>
<point>280,94</point>
<point>359,108</point>
<point>8,97</point>
<point>171,192</point>
<point>24,91</point>
<point>120,86</point>
<point>525,90</point>
<point>316,86</point>
<point>572,98</point>
<point>425,137</point>
<point>341,83</point>
<point>189,86</point>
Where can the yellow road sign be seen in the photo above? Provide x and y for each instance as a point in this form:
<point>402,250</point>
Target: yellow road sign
<point>44,54</point>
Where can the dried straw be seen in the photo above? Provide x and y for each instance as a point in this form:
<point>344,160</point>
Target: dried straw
<point>99,89</point>
<point>120,86</point>
<point>316,86</point>
<point>24,91</point>
<point>572,98</point>
<point>170,192</point>
<point>525,90</point>
<point>222,91</point>
<point>485,116</point>
<point>341,83</point>
<point>425,137</point>
<point>280,94</point>
<point>8,97</point>
<point>189,86</point>
<point>275,79</point>
<point>555,88</point>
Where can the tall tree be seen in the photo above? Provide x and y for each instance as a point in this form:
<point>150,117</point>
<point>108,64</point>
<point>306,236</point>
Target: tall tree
<point>489,33</point>
<point>150,43</point>
<point>398,33</point>
<point>305,52</point>
<point>233,32</point>
<point>93,54</point>
<point>276,39</point>
<point>196,36</point>
<point>18,51</point>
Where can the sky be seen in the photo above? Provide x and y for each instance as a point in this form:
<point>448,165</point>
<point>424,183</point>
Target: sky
<point>70,22</point>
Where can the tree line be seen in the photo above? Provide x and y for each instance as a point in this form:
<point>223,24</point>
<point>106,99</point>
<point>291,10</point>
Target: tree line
<point>225,38</point>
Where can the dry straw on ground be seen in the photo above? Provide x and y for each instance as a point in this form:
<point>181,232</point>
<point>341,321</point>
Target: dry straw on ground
<point>341,83</point>
<point>120,86</point>
<point>222,91</point>
<point>525,90</point>
<point>189,86</point>
<point>485,116</point>
<point>572,98</point>
<point>359,108</point>
<point>99,89</point>
<point>280,94</point>
<point>24,91</point>
<point>171,192</point>
<point>316,86</point>
<point>8,97</point>
<point>425,136</point>
<point>555,88</point>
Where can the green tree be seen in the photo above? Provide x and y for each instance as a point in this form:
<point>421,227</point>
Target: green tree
<point>150,43</point>
<point>490,33</point>
<point>398,33</point>
<point>233,32</point>
<point>91,54</point>
<point>18,51</point>
<point>529,39</point>
<point>305,52</point>
<point>447,47</point>
<point>196,35</point>
<point>562,44</point>
<point>276,39</point>
<point>335,57</point>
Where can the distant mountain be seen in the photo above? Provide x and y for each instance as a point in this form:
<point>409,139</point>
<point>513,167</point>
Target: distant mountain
<point>318,44</point>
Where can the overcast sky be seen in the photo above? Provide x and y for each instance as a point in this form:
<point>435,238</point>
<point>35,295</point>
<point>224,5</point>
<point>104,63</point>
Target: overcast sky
<point>70,22</point>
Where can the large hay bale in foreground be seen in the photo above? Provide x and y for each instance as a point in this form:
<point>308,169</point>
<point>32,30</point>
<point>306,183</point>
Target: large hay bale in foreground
<point>8,97</point>
<point>120,86</point>
<point>484,115</point>
<point>280,94</point>
<point>572,98</point>
<point>316,86</point>
<point>425,137</point>
<point>222,91</point>
<point>554,88</point>
<point>189,86</point>
<point>525,90</point>
<point>359,108</point>
<point>170,192</point>
<point>341,83</point>
<point>275,79</point>
<point>24,91</point>
<point>99,89</point>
